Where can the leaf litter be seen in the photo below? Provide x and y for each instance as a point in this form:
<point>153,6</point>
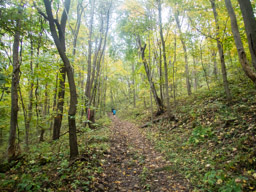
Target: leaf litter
<point>132,164</point>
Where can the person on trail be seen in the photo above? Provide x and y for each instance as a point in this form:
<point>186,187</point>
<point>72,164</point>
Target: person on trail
<point>114,112</point>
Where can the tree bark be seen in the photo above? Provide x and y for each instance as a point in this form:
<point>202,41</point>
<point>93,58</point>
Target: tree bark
<point>221,53</point>
<point>250,27</point>
<point>42,131</point>
<point>102,51</point>
<point>88,81</point>
<point>165,59</point>
<point>152,85</point>
<point>161,73</point>
<point>185,54</point>
<point>60,104</point>
<point>203,67</point>
<point>194,72</point>
<point>30,105</point>
<point>60,44</point>
<point>239,45</point>
<point>80,10</point>
<point>14,91</point>
<point>133,85</point>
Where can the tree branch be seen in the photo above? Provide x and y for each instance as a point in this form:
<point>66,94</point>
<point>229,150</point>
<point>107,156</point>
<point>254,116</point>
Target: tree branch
<point>202,33</point>
<point>40,11</point>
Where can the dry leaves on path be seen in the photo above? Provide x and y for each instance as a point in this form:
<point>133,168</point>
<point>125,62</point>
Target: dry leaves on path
<point>133,165</point>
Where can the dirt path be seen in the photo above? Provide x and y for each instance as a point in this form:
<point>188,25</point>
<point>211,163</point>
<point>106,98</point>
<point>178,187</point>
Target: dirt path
<point>133,165</point>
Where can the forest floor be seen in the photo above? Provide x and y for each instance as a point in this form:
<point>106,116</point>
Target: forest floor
<point>132,164</point>
<point>211,146</point>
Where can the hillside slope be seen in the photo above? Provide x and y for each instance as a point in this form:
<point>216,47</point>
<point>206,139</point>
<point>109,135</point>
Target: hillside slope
<point>213,142</point>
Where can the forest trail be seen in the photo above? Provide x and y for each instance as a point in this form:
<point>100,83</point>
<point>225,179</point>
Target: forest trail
<point>132,164</point>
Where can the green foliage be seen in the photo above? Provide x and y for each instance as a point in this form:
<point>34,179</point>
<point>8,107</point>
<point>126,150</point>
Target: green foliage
<point>213,179</point>
<point>27,184</point>
<point>144,177</point>
<point>200,134</point>
<point>47,168</point>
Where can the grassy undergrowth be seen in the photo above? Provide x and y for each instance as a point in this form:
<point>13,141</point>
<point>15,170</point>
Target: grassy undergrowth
<point>213,144</point>
<point>47,166</point>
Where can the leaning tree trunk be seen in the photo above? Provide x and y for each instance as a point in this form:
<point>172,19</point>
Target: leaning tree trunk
<point>221,53</point>
<point>151,83</point>
<point>239,45</point>
<point>250,27</point>
<point>60,44</point>
<point>14,92</point>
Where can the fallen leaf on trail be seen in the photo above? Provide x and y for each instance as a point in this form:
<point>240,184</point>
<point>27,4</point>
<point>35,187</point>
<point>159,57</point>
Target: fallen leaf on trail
<point>117,182</point>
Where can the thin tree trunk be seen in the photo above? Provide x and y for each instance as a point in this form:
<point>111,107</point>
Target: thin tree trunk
<point>54,101</point>
<point>152,85</point>
<point>37,79</point>
<point>205,72</point>
<point>14,91</point>
<point>185,54</point>
<point>161,73</point>
<point>102,52</point>
<point>88,81</point>
<point>133,85</point>
<point>215,67</point>
<point>60,104</point>
<point>173,69</point>
<point>165,59</point>
<point>80,10</point>
<point>30,105</point>
<point>41,138</point>
<point>221,53</point>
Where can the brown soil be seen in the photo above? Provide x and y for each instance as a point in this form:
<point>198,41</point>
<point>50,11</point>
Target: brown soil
<point>133,164</point>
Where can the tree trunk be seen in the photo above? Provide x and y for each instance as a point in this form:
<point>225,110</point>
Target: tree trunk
<point>41,138</point>
<point>14,91</point>
<point>88,81</point>
<point>185,54</point>
<point>165,59</point>
<point>80,11</point>
<point>60,104</point>
<point>205,72</point>
<point>30,105</point>
<point>60,44</point>
<point>221,53</point>
<point>194,72</point>
<point>214,58</point>
<point>54,102</point>
<point>152,85</point>
<point>250,27</point>
<point>133,85</point>
<point>99,60</point>
<point>239,45</point>
<point>161,73</point>
<point>61,92</point>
